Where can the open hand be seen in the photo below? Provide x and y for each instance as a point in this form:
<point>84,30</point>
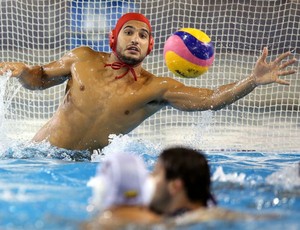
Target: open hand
<point>266,73</point>
<point>16,68</point>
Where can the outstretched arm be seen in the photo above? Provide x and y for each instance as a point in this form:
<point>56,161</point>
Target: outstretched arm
<point>197,99</point>
<point>37,77</point>
<point>45,76</point>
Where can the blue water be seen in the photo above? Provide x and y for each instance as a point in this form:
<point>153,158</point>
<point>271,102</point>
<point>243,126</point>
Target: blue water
<point>39,189</point>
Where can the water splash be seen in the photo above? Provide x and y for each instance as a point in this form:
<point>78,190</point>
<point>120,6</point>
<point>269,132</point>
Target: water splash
<point>195,139</point>
<point>288,177</point>
<point>3,107</point>
<point>30,150</point>
<point>8,92</point>
<point>219,175</point>
<point>124,143</point>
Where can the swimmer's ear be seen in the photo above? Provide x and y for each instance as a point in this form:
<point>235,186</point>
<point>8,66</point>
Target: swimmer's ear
<point>151,44</point>
<point>175,186</point>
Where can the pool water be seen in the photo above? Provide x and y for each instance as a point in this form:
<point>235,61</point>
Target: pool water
<point>40,189</point>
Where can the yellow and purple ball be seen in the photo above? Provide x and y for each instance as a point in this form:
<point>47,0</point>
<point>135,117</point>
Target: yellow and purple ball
<point>189,53</point>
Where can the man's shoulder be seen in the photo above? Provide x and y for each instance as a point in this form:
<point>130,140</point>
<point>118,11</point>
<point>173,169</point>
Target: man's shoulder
<point>161,82</point>
<point>82,49</point>
<point>86,51</point>
<point>214,213</point>
<point>151,76</point>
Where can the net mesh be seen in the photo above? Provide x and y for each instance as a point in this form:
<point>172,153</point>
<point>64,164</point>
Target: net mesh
<point>38,32</point>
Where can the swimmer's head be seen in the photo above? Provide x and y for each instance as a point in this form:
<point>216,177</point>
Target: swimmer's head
<point>188,166</point>
<point>125,18</point>
<point>121,179</point>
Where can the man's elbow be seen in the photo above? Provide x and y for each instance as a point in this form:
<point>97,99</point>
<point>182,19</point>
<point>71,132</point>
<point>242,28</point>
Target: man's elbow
<point>42,83</point>
<point>33,87</point>
<point>217,106</point>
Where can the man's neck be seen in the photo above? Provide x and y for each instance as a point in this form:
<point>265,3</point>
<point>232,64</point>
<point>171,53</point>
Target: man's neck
<point>122,69</point>
<point>181,206</point>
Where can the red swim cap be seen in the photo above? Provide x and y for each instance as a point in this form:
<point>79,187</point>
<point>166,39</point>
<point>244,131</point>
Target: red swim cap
<point>125,18</point>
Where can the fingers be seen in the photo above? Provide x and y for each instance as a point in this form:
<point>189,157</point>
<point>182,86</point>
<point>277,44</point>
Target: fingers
<point>286,72</point>
<point>287,63</point>
<point>9,68</point>
<point>264,54</point>
<point>282,82</point>
<point>4,69</point>
<point>281,57</point>
<point>282,66</point>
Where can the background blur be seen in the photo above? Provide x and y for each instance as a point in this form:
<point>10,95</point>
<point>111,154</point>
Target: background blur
<point>235,25</point>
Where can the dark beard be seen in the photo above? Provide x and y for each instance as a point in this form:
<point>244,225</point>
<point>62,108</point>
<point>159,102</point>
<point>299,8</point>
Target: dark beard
<point>129,61</point>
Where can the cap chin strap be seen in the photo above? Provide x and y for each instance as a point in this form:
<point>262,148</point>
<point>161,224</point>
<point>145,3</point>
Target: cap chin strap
<point>119,65</point>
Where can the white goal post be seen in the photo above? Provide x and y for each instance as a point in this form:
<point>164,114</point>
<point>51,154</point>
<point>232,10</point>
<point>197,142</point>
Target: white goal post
<point>37,32</point>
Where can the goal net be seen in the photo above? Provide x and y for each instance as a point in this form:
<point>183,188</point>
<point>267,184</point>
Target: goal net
<point>37,32</point>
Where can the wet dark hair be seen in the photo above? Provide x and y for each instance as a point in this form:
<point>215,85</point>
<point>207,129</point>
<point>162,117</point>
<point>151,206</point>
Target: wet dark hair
<point>192,168</point>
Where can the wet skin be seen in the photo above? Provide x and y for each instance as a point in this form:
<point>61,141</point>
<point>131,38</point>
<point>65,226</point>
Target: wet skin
<point>96,104</point>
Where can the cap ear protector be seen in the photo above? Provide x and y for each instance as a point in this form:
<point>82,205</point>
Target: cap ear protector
<point>112,39</point>
<point>125,18</point>
<point>151,44</point>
